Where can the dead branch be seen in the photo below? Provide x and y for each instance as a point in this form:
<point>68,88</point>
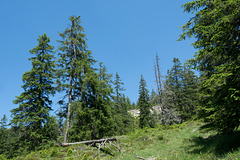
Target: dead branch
<point>90,142</point>
<point>102,143</point>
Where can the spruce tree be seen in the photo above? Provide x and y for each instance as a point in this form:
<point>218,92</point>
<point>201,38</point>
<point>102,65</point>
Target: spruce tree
<point>182,88</point>
<point>144,105</point>
<point>3,134</point>
<point>118,86</point>
<point>215,26</point>
<point>154,98</point>
<point>123,122</point>
<point>171,113</point>
<point>88,92</point>
<point>93,120</point>
<point>32,117</point>
<point>190,93</point>
<point>73,65</point>
<point>104,120</point>
<point>174,82</point>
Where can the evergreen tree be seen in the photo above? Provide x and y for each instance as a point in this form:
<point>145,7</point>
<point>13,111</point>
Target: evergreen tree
<point>182,88</point>
<point>170,114</point>
<point>133,105</point>
<point>88,92</point>
<point>104,103</point>
<point>74,66</point>
<point>216,29</point>
<point>93,120</point>
<point>3,134</point>
<point>118,86</point>
<point>174,82</point>
<point>190,94</point>
<point>128,103</point>
<point>123,122</point>
<point>32,118</point>
<point>143,104</point>
<point>154,98</point>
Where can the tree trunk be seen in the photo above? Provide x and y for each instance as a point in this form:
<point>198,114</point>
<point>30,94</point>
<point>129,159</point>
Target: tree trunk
<point>69,108</point>
<point>159,85</point>
<point>69,96</point>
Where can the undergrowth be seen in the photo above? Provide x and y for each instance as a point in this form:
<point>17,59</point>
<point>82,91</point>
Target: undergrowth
<point>187,141</point>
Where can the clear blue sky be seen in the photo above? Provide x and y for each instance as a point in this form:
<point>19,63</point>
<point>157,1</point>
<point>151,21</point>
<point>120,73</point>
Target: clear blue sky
<point>124,34</point>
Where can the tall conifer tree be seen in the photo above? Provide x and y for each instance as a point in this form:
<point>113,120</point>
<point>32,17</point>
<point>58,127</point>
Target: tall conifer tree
<point>118,86</point>
<point>190,93</point>
<point>88,92</point>
<point>3,135</point>
<point>32,116</point>
<point>183,86</point>
<point>215,26</point>
<point>144,105</point>
<point>74,64</point>
<point>174,82</point>
<point>93,120</point>
<point>123,120</point>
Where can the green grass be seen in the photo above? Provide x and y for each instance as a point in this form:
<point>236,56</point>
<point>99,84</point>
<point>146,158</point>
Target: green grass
<point>188,141</point>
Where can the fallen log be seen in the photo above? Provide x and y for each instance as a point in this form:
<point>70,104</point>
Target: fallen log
<point>91,141</point>
<point>102,143</point>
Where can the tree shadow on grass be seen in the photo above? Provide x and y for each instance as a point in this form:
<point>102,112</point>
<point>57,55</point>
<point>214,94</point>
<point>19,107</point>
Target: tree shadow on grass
<point>219,144</point>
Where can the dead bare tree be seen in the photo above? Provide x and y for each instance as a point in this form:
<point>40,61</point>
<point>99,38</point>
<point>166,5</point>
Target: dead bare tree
<point>158,80</point>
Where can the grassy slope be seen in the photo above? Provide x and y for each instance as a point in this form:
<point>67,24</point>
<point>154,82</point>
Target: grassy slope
<point>185,141</point>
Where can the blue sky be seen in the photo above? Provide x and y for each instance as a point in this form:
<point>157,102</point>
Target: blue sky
<point>124,34</point>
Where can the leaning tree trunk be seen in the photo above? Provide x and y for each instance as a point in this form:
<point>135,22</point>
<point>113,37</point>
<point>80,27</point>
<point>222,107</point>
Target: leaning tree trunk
<point>69,108</point>
<point>159,86</point>
<point>70,95</point>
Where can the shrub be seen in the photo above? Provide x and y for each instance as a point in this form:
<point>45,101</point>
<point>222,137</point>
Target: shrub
<point>70,152</point>
<point>54,152</point>
<point>43,153</point>
<point>2,157</point>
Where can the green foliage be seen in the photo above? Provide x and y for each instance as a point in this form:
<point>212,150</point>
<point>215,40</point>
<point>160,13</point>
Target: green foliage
<point>70,152</point>
<point>186,141</point>
<point>32,156</point>
<point>88,113</point>
<point>118,86</point>
<point>75,72</point>
<point>92,117</point>
<point>3,134</point>
<point>143,104</point>
<point>85,157</point>
<point>74,61</point>
<point>123,121</point>
<point>70,158</point>
<point>154,98</point>
<point>94,111</point>
<point>216,29</point>
<point>43,153</point>
<point>31,121</point>
<point>2,157</point>
<point>181,90</point>
<point>54,152</point>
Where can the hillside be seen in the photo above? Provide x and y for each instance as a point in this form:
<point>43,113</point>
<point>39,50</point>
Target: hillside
<point>190,140</point>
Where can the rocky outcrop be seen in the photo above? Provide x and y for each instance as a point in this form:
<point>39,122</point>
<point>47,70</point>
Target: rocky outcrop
<point>136,112</point>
